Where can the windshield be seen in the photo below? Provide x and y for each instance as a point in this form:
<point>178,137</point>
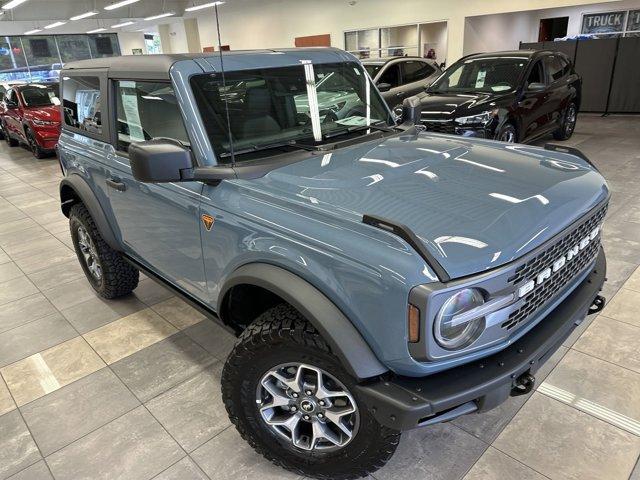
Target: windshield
<point>490,74</point>
<point>40,96</point>
<point>277,105</point>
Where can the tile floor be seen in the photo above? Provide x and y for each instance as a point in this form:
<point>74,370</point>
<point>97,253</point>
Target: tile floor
<point>130,388</point>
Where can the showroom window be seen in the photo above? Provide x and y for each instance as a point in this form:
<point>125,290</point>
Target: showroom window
<point>81,103</point>
<point>383,42</point>
<point>147,110</point>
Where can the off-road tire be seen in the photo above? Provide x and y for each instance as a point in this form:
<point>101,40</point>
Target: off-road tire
<point>566,131</point>
<point>282,335</point>
<point>118,276</point>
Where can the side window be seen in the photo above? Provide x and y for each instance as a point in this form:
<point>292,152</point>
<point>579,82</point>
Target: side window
<point>536,75</point>
<point>82,103</point>
<point>391,75</point>
<point>3,91</point>
<point>415,70</point>
<point>555,68</point>
<point>147,110</point>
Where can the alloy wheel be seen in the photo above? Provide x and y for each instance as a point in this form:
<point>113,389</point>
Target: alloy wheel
<point>570,120</point>
<point>308,407</point>
<point>88,250</point>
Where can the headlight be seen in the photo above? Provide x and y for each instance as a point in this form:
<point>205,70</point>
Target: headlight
<point>44,123</point>
<point>479,119</point>
<point>451,328</point>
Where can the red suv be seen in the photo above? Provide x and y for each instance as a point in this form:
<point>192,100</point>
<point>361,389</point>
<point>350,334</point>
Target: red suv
<point>30,114</point>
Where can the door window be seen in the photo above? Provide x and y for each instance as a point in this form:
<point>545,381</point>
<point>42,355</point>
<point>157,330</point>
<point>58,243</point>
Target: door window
<point>391,75</point>
<point>82,104</point>
<point>555,68</point>
<point>415,70</point>
<point>147,110</point>
<point>536,75</point>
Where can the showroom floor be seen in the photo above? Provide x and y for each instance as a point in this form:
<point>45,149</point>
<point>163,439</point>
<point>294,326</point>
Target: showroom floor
<point>130,388</point>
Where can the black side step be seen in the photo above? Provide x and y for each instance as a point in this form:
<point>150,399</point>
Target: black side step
<point>411,238</point>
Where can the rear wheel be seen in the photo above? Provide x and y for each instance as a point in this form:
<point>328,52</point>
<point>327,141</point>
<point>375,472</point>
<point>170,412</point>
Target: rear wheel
<point>568,124</point>
<point>12,142</point>
<point>36,149</point>
<point>107,271</point>
<point>291,400</point>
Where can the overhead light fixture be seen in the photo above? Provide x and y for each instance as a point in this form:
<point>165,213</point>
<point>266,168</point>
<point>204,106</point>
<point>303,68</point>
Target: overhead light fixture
<point>124,24</point>
<point>12,4</point>
<point>31,32</point>
<point>113,6</point>
<point>97,30</point>
<point>204,5</point>
<point>83,15</point>
<point>162,15</point>
<point>54,25</point>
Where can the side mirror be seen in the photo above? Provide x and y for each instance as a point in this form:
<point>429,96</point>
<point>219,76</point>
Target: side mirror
<point>536,87</point>
<point>411,110</point>
<point>384,87</point>
<point>160,161</point>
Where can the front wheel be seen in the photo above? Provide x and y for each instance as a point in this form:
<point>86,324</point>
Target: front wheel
<point>507,133</point>
<point>107,271</point>
<point>36,149</point>
<point>293,402</point>
<point>568,124</point>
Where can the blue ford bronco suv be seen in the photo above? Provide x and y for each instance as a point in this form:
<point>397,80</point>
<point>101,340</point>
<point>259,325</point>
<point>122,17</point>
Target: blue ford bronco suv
<point>378,278</point>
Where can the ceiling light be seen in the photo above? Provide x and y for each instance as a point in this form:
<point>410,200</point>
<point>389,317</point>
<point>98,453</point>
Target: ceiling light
<point>162,15</point>
<point>12,4</point>
<point>54,25</point>
<point>31,32</point>
<point>83,15</point>
<point>113,6</point>
<point>124,24</point>
<point>97,30</point>
<point>204,5</point>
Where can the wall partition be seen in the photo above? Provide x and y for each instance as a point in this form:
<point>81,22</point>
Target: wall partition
<point>39,58</point>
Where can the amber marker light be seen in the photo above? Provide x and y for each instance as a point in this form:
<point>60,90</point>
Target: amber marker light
<point>413,322</point>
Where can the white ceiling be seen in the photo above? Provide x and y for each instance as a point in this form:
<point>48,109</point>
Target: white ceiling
<point>38,13</point>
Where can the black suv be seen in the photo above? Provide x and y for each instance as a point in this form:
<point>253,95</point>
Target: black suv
<point>400,77</point>
<point>514,96</point>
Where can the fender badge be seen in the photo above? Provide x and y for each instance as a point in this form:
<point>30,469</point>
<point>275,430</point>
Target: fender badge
<point>207,220</point>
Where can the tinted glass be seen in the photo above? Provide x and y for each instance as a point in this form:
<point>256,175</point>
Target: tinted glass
<point>556,69</point>
<point>372,70</point>
<point>391,75</point>
<point>40,95</point>
<point>81,102</point>
<point>73,47</point>
<point>147,110</point>
<point>271,106</point>
<point>490,74</point>
<point>414,71</point>
<point>536,75</point>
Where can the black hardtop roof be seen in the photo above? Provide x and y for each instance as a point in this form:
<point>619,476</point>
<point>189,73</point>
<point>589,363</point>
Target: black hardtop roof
<point>160,64</point>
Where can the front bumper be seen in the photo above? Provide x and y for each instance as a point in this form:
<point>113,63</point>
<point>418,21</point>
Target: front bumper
<point>404,403</point>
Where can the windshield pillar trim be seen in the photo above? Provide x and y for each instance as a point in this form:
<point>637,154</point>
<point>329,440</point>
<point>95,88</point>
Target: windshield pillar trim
<point>314,110</point>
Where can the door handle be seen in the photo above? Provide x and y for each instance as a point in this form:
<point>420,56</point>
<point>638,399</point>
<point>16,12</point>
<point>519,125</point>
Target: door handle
<point>117,185</point>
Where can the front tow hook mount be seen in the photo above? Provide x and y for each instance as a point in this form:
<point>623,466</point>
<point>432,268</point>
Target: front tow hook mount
<point>523,385</point>
<point>597,305</point>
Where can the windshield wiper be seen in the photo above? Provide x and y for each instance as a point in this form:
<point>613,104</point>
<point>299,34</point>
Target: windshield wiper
<point>268,146</point>
<point>357,128</point>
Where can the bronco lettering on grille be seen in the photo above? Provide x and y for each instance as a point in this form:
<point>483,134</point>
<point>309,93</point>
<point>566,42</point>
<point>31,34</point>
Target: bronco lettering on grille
<point>558,264</point>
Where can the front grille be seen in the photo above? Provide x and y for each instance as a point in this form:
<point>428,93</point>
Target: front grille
<point>440,127</point>
<point>542,294</point>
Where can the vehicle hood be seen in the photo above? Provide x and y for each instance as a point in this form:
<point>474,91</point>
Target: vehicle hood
<point>440,105</point>
<point>50,114</point>
<point>475,204</point>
